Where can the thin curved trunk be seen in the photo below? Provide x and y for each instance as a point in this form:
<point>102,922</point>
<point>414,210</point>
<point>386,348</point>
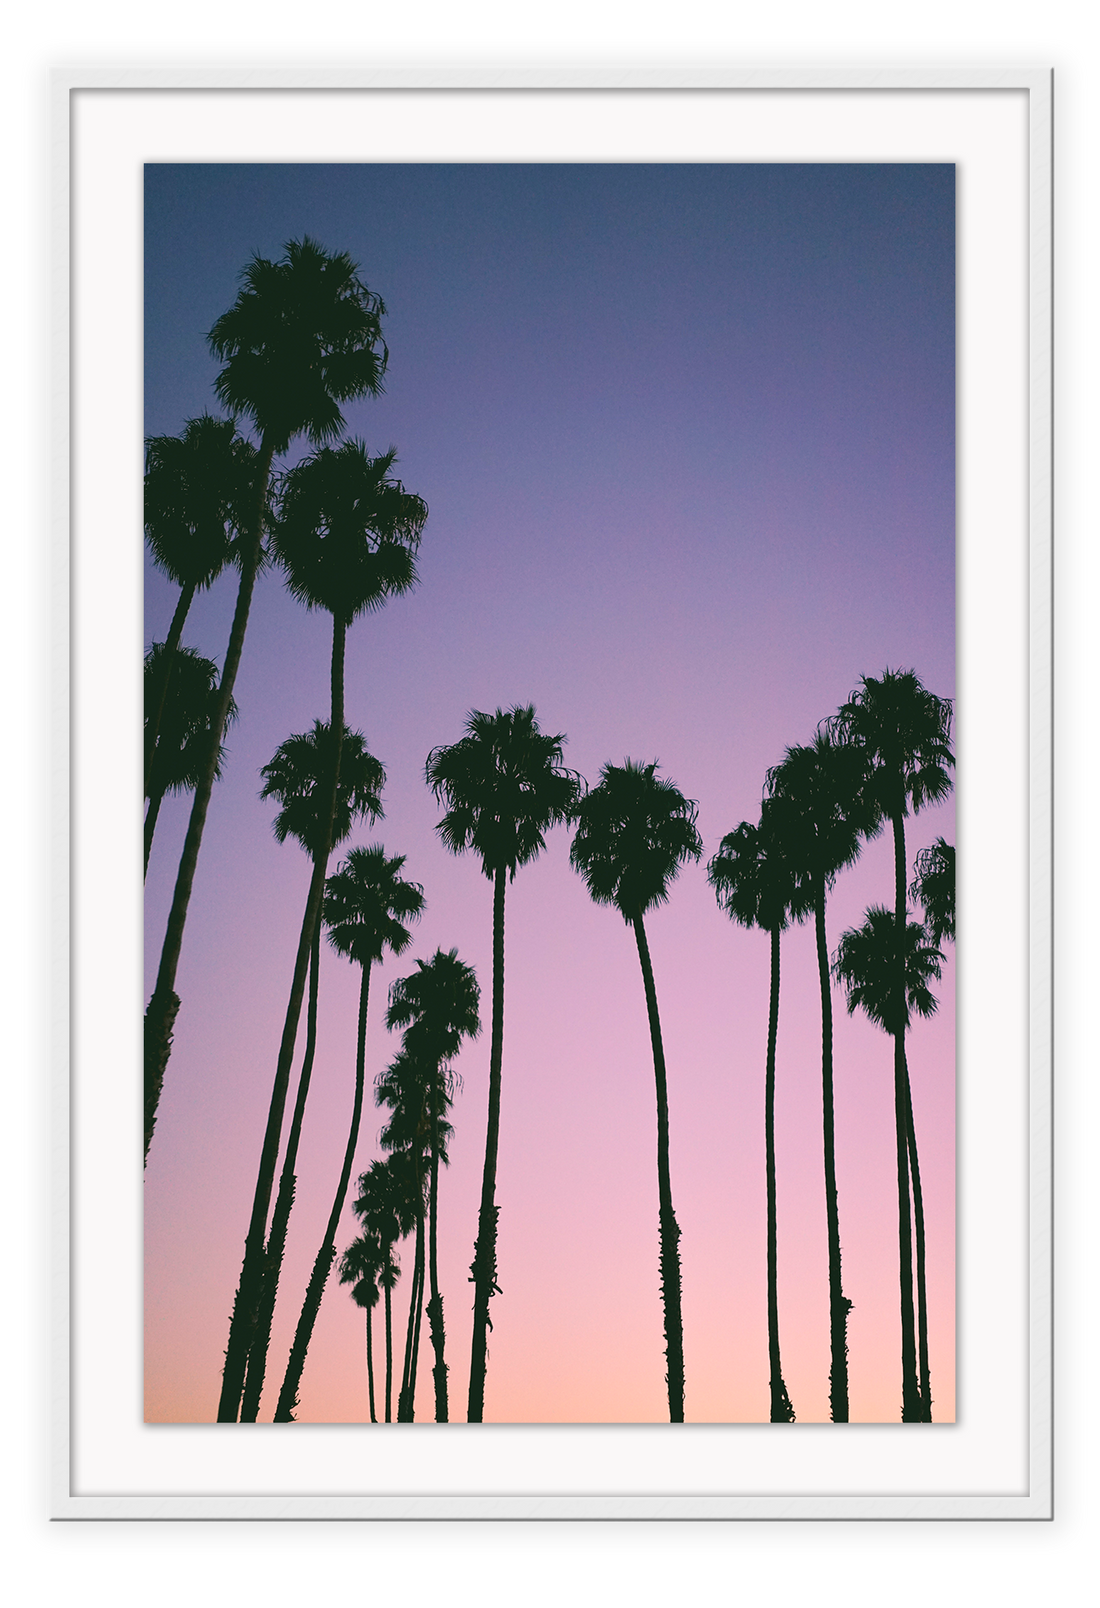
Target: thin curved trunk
<point>370,1366</point>
<point>435,1303</point>
<point>288,1395</point>
<point>668,1226</point>
<point>160,1013</point>
<point>839,1305</point>
<point>781,1410</point>
<point>918,1224</point>
<point>284,1201</point>
<point>175,632</point>
<point>483,1269</point>
<point>246,1302</point>
<point>389,1351</point>
<point>406,1401</point>
<point>151,814</point>
<point>910,1389</point>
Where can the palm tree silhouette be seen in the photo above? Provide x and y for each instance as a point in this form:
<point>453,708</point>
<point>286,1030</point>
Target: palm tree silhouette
<point>181,689</point>
<point>297,776</point>
<point>385,1209</point>
<point>361,1267</point>
<point>199,491</point>
<point>367,903</point>
<point>819,786</point>
<point>755,886</point>
<point>504,786</point>
<point>934,887</point>
<point>438,1007</point>
<point>903,733</point>
<point>303,335</point>
<point>866,963</point>
<point>634,832</point>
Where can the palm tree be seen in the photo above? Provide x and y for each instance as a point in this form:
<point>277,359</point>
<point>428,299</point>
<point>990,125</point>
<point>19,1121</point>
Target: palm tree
<point>903,733</point>
<point>934,887</point>
<point>299,779</point>
<point>504,786</point>
<point>367,903</point>
<point>819,785</point>
<point>634,832</point>
<point>865,962</point>
<point>403,1087</point>
<point>303,335</point>
<point>181,689</point>
<point>361,1267</point>
<point>385,1209</point>
<point>199,490</point>
<point>754,884</point>
<point>438,1007</point>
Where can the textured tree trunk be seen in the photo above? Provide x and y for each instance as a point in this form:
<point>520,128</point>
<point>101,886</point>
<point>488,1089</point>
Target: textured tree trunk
<point>155,802</point>
<point>435,1303</point>
<point>910,1390</point>
<point>483,1269</point>
<point>288,1395</point>
<point>284,1201</point>
<point>406,1401</point>
<point>839,1305</point>
<point>781,1410</point>
<point>669,1228</point>
<point>922,1293</point>
<point>370,1366</point>
<point>160,1014</point>
<point>246,1302</point>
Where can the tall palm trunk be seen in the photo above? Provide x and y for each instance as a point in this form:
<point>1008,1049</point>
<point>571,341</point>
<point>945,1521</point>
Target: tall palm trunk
<point>839,1305</point>
<point>669,1228</point>
<point>910,1390</point>
<point>435,1303</point>
<point>781,1410</point>
<point>484,1266</point>
<point>288,1395</point>
<point>370,1367</point>
<point>160,1014</point>
<point>406,1401</point>
<point>246,1301</point>
<point>155,801</point>
<point>284,1201</point>
<point>388,1289</point>
<point>918,1223</point>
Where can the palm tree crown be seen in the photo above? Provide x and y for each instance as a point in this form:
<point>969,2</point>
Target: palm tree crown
<point>934,886</point>
<point>303,335</point>
<point>189,708</point>
<point>504,786</point>
<point>866,963</point>
<point>367,904</point>
<point>634,832</point>
<point>347,533</point>
<point>752,875</point>
<point>200,492</point>
<point>825,811</point>
<point>904,732</point>
<point>299,775</point>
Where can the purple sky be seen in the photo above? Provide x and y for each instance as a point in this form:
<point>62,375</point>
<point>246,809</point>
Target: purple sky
<point>687,438</point>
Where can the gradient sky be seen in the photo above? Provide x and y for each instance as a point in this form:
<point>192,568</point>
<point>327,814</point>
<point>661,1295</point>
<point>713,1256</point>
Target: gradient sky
<point>686,434</point>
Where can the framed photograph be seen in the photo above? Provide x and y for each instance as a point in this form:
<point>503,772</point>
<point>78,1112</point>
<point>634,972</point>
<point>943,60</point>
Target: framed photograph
<point>706,412</point>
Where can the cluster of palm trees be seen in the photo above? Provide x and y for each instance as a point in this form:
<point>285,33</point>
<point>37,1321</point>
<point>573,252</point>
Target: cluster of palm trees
<point>886,752</point>
<point>303,337</point>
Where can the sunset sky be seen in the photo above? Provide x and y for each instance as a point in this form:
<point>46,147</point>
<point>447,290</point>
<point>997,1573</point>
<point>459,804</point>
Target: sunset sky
<point>686,434</point>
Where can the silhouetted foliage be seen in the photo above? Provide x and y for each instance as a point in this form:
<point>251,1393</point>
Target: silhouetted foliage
<point>504,786</point>
<point>756,886</point>
<point>181,691</point>
<point>819,789</point>
<point>934,887</point>
<point>634,832</point>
